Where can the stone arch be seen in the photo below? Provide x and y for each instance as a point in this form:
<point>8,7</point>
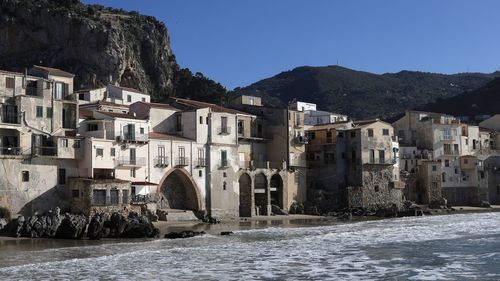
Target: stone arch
<point>261,192</point>
<point>180,191</point>
<point>276,185</point>
<point>245,183</point>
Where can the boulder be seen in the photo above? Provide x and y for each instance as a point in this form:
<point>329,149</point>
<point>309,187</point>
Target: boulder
<point>3,223</point>
<point>14,228</point>
<point>72,227</point>
<point>183,234</point>
<point>162,215</point>
<point>96,225</point>
<point>210,219</point>
<point>139,227</point>
<point>440,203</point>
<point>226,233</point>
<point>276,210</point>
<point>485,204</point>
<point>297,208</point>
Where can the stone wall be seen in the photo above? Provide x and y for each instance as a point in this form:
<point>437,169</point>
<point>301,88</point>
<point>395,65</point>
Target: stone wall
<point>461,196</point>
<point>377,190</point>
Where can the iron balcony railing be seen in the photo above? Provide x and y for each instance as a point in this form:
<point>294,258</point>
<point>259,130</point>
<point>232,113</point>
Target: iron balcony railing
<point>224,130</point>
<point>200,162</point>
<point>161,161</point>
<point>44,150</point>
<point>127,161</point>
<point>182,161</point>
<point>132,138</point>
<point>10,150</point>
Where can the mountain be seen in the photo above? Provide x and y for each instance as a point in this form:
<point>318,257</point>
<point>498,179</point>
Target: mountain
<point>482,101</point>
<point>362,94</point>
<point>99,45</point>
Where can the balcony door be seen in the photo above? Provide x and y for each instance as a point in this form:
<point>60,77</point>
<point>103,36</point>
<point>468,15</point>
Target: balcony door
<point>133,158</point>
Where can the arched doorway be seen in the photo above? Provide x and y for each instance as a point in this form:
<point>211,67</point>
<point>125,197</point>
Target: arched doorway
<point>245,195</point>
<point>180,191</point>
<point>276,185</point>
<point>260,192</point>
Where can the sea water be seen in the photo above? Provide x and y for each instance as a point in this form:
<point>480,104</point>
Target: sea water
<point>453,247</point>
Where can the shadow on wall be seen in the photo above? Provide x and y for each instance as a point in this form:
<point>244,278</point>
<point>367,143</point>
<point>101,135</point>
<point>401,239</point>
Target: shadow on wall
<point>56,196</point>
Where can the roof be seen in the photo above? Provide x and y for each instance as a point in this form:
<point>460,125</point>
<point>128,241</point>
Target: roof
<point>482,129</point>
<point>199,104</point>
<point>103,102</point>
<point>121,115</point>
<point>363,123</point>
<point>158,105</point>
<point>127,89</point>
<point>54,71</point>
<point>163,136</point>
<point>327,126</point>
<point>85,113</point>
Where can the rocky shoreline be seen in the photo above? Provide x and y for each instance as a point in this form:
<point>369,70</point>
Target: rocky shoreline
<point>55,225</point>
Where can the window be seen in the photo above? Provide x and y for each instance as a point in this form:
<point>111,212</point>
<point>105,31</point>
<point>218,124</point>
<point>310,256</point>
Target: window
<point>201,157</point>
<point>474,144</point>
<point>81,96</point>
<point>50,112</point>
<point>377,188</point>
<point>381,156</point>
<point>26,176</point>
<point>447,163</point>
<point>113,196</point>
<point>62,90</point>
<point>223,125</point>
<point>129,98</point>
<point>75,193</point>
<point>62,176</point>
<point>434,168</point>
<point>223,158</point>
<point>481,174</point>
<point>64,142</point>
<point>99,197</point>
<point>329,137</point>
<point>9,82</point>
<point>353,134</point>
<point>201,119</point>
<point>353,156</point>
<point>143,99</point>
<point>466,141</point>
<point>206,120</point>
<point>456,170</point>
<point>92,127</point>
<point>200,173</point>
<point>112,152</point>
<point>39,111</point>
<point>99,152</point>
<point>311,135</point>
<point>443,177</point>
<point>385,132</point>
<point>372,156</point>
<point>125,198</point>
<point>341,134</point>
<point>77,144</point>
<point>240,127</point>
<point>370,132</point>
<point>224,185</point>
<point>132,173</point>
<point>141,131</point>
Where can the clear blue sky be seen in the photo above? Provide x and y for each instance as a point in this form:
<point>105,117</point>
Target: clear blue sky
<point>237,42</point>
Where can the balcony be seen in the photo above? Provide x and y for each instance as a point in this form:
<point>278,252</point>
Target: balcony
<point>31,91</point>
<point>130,162</point>
<point>182,161</point>
<point>200,162</point>
<point>44,151</point>
<point>382,161</point>
<point>4,151</point>
<point>451,153</point>
<point>224,130</point>
<point>137,138</point>
<point>161,161</point>
<point>10,118</point>
<point>301,140</point>
<point>446,138</point>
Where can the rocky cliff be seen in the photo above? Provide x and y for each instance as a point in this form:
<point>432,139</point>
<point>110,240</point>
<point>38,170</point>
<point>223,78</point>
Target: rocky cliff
<point>98,44</point>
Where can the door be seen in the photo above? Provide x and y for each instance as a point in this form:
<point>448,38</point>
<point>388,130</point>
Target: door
<point>132,156</point>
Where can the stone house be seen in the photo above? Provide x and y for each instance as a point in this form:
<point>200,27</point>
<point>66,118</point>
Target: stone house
<point>367,165</point>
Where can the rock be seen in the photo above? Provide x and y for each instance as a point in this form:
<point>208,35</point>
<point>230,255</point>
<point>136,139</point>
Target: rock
<point>72,227</point>
<point>210,219</point>
<point>441,203</point>
<point>96,225</point>
<point>139,227</point>
<point>276,210</point>
<point>226,233</point>
<point>162,215</point>
<point>14,228</point>
<point>297,208</point>
<point>116,224</point>
<point>485,204</point>
<point>3,223</point>
<point>183,234</point>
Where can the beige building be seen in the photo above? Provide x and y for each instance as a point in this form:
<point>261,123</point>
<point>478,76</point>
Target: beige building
<point>367,165</point>
<point>39,148</point>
